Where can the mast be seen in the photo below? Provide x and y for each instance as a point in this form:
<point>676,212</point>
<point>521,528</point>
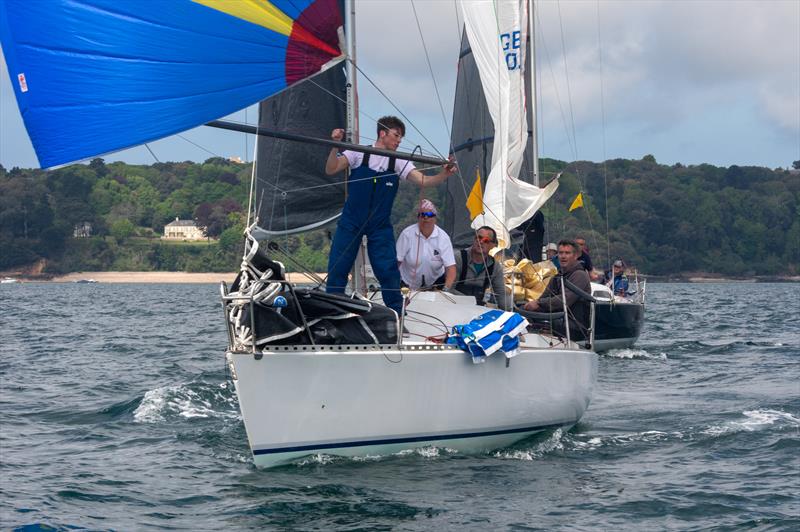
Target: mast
<point>532,95</point>
<point>351,131</point>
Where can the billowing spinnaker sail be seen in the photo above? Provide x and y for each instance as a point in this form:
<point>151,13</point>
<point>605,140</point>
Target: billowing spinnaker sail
<point>497,33</point>
<point>292,192</point>
<point>95,76</point>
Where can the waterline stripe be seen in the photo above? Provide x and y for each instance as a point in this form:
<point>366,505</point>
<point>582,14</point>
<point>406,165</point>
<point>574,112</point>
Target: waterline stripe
<point>411,439</point>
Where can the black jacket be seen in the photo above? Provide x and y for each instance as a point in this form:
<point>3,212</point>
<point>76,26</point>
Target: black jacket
<point>551,298</point>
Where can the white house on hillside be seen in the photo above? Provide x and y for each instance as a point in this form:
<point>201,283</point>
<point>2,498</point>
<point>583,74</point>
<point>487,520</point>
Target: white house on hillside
<point>82,230</point>
<point>183,230</point>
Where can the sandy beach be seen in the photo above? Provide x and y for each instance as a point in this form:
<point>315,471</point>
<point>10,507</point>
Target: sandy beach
<point>160,277</point>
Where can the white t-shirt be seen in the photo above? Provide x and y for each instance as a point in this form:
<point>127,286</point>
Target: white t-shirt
<point>423,257</point>
<point>378,163</point>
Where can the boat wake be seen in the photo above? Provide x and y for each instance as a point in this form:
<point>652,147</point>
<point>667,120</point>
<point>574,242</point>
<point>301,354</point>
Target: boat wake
<point>555,442</point>
<point>188,401</point>
<point>755,420</point>
<point>750,421</point>
<point>634,354</point>
<point>560,441</point>
<point>587,442</point>
<point>424,452</point>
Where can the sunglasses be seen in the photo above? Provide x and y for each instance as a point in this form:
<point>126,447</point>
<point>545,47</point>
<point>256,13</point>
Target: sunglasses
<point>484,239</point>
<point>429,214</point>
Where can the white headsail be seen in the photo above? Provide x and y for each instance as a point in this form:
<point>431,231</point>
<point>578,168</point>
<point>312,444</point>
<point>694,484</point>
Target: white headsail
<point>497,32</point>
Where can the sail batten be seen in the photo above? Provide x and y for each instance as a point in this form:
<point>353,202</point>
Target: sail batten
<point>96,76</point>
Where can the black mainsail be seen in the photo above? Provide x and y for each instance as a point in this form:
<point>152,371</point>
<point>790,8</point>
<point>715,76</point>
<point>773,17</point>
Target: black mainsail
<point>292,192</point>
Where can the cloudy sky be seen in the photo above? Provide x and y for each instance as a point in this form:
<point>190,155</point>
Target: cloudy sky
<point>689,81</point>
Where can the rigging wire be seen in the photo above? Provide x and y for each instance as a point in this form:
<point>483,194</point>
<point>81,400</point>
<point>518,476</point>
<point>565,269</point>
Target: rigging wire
<point>566,76</point>
<point>603,130</point>
<point>198,145</point>
<point>331,184</point>
<point>573,149</point>
<point>146,145</point>
<point>430,67</point>
<point>365,114</point>
<point>548,209</point>
<point>444,120</point>
<point>410,122</point>
<point>569,125</point>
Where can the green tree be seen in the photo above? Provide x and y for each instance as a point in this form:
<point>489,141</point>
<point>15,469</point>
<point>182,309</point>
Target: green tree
<point>122,229</point>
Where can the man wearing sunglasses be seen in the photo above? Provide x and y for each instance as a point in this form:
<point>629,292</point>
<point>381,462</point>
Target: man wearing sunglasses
<point>425,253</point>
<point>477,271</point>
<point>371,189</point>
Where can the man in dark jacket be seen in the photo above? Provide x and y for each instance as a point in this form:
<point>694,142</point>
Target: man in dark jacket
<point>572,270</point>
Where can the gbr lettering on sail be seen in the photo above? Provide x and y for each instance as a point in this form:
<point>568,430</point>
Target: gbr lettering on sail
<point>510,43</point>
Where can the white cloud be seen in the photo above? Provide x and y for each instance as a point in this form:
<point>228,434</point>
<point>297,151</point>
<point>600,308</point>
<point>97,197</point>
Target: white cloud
<point>782,104</point>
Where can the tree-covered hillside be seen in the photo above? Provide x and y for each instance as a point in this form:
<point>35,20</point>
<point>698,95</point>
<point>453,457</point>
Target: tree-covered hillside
<point>665,220</point>
<point>679,219</point>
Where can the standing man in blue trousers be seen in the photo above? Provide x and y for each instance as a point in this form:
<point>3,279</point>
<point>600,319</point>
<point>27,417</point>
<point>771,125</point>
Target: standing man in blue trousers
<point>372,187</point>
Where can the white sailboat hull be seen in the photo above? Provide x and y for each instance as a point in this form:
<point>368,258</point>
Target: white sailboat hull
<point>378,400</point>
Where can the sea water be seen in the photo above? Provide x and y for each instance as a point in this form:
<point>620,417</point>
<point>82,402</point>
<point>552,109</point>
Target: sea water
<point>116,412</point>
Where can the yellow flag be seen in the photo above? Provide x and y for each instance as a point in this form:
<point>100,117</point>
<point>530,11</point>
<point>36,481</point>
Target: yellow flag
<point>577,203</point>
<point>475,199</point>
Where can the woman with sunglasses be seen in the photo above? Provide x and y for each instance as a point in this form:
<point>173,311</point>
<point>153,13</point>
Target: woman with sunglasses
<point>425,253</point>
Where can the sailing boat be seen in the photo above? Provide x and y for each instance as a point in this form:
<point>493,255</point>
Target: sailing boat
<point>618,320</point>
<point>314,372</point>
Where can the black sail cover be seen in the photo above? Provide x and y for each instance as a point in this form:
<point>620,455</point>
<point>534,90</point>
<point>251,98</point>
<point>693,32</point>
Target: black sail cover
<point>472,142</point>
<point>292,192</point>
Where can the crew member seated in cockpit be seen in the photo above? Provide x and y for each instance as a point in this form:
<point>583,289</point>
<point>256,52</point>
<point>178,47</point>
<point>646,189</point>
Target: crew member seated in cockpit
<point>476,270</point>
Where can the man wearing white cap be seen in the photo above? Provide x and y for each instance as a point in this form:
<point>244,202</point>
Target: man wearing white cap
<point>425,253</point>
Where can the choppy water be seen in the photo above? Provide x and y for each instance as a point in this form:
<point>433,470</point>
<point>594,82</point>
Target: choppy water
<point>116,413</point>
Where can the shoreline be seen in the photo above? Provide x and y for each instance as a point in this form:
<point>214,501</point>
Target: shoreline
<point>151,277</point>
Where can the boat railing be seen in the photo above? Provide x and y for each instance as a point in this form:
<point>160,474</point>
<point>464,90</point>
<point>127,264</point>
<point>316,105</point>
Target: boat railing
<point>588,331</point>
<point>589,298</point>
<point>642,290</point>
<point>240,299</point>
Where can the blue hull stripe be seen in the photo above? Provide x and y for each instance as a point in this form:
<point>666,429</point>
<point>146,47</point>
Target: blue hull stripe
<point>411,439</point>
